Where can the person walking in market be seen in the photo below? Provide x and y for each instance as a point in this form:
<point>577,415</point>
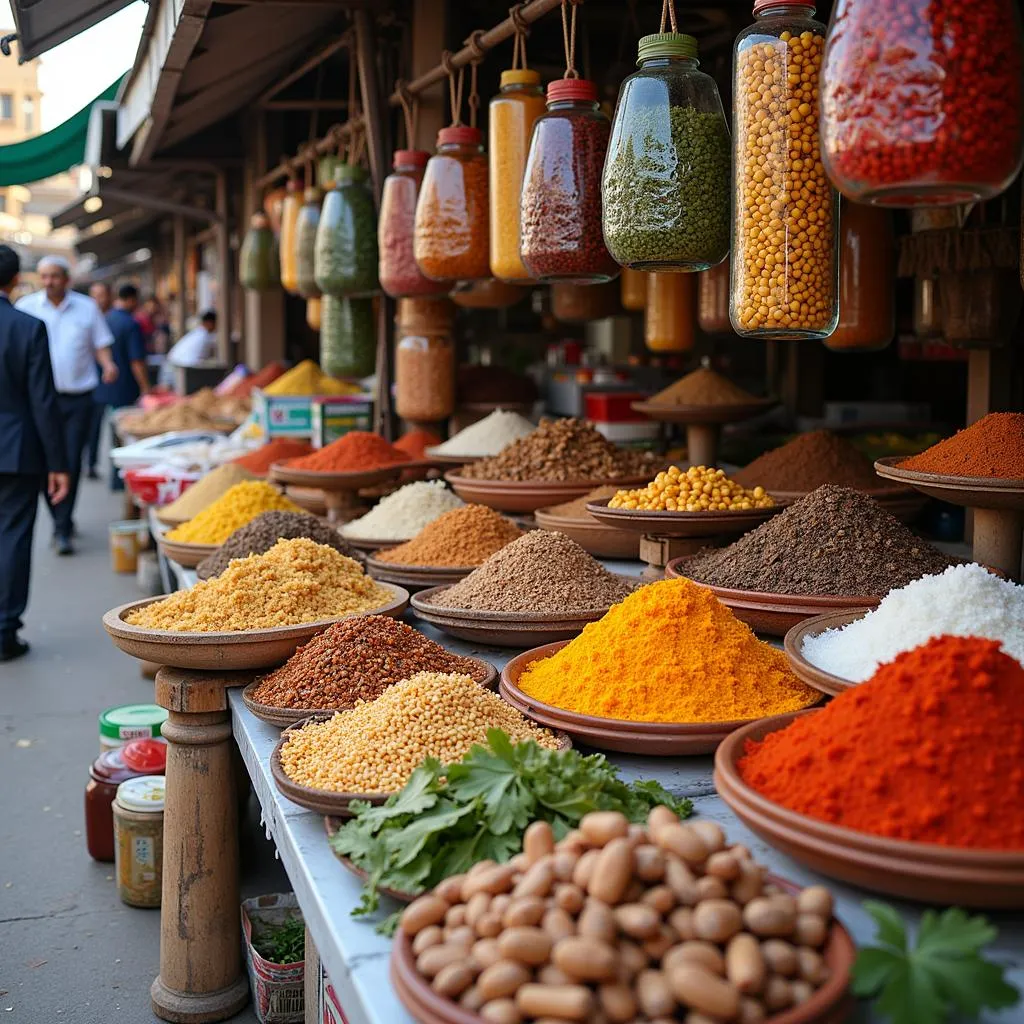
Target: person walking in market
<point>100,293</point>
<point>32,452</point>
<point>79,339</point>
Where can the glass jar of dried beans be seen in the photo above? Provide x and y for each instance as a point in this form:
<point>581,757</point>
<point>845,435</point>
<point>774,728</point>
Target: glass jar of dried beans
<point>424,360</point>
<point>560,210</point>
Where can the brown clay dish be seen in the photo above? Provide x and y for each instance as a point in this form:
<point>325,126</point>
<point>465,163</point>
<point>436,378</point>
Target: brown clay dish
<point>309,499</point>
<point>704,413</point>
<point>898,867</point>
<point>773,614</point>
<point>972,491</point>
<point>331,826</point>
<point>362,544</point>
<point>225,651</point>
<point>681,524</point>
<point>658,739</point>
<point>450,460</point>
<point>595,538</point>
<point>188,556</point>
<point>417,576</point>
<point>285,474</point>
<point>172,521</point>
<point>530,495</point>
<point>805,670</point>
<point>830,1004</point>
<point>284,717</point>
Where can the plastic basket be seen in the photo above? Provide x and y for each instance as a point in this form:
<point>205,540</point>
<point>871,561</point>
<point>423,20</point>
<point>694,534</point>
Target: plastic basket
<point>278,990</point>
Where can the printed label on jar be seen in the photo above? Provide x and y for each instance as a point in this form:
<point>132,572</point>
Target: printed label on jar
<point>134,732</point>
<point>139,861</point>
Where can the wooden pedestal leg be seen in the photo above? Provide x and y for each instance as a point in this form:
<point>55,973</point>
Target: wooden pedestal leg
<point>702,443</point>
<point>201,976</point>
<point>998,539</point>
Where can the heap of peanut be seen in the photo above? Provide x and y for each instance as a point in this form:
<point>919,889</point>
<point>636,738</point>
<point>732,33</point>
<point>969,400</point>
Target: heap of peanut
<point>620,922</point>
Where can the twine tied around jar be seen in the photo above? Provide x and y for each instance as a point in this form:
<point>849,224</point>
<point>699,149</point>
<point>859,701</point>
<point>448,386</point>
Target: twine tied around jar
<point>522,30</point>
<point>569,37</point>
<point>668,11</point>
<point>456,81</point>
<point>410,112</point>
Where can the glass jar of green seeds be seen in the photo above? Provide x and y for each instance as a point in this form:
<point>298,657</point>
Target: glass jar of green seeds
<point>666,184</point>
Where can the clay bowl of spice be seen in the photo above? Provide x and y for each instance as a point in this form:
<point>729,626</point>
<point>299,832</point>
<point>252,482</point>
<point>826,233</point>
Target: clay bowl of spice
<point>186,555</point>
<point>710,414</point>
<point>972,491</point>
<point>682,525</point>
<point>527,495</point>
<point>794,645</point>
<point>659,739</point>
<point>573,519</point>
<point>233,650</point>
<point>284,473</point>
<point>928,872</point>
<point>415,577</point>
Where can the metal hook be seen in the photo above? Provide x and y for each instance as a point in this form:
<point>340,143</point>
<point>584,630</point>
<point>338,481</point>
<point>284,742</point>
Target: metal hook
<point>5,43</point>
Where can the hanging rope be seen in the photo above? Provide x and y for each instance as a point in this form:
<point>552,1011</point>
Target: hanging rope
<point>569,37</point>
<point>668,11</point>
<point>456,81</point>
<point>522,30</point>
<point>410,112</point>
<point>475,44</point>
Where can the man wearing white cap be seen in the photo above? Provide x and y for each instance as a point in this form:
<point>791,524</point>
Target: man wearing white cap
<point>79,339</point>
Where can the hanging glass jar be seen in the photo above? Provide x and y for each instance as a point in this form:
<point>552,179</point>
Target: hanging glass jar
<point>286,239</point>
<point>785,260</point>
<point>560,208</point>
<point>671,312</point>
<point>666,181</point>
<point>510,122</point>
<point>313,314</point>
<point>922,104</point>
<point>305,244</point>
<point>345,255</point>
<point>578,303</point>
<point>487,294</point>
<point>258,268</point>
<point>348,338</point>
<point>867,279</point>
<point>424,360</point>
<point>451,241</point>
<point>633,290</point>
<point>399,275</point>
<point>713,300</point>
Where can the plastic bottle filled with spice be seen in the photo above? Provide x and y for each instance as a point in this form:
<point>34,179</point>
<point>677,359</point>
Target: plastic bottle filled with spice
<point>313,314</point>
<point>306,225</point>
<point>713,300</point>
<point>666,180</point>
<point>922,101</point>
<point>139,840</point>
<point>785,261</point>
<point>560,209</point>
<point>287,238</point>
<point>867,279</point>
<point>510,120</point>
<point>345,254</point>
<point>451,239</point>
<point>633,290</point>
<point>399,275</point>
<point>348,339</point>
<point>424,360</point>
<point>671,312</point>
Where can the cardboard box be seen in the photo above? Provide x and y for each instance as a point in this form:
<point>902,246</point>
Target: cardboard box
<point>335,416</point>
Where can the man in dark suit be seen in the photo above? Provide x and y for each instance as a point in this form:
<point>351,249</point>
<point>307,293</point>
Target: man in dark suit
<point>32,450</point>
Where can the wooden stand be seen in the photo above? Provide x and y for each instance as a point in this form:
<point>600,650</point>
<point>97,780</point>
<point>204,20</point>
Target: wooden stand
<point>702,443</point>
<point>201,974</point>
<point>657,552</point>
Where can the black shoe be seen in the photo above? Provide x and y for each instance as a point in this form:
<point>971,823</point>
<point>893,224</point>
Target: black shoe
<point>64,546</point>
<point>92,474</point>
<point>11,647</point>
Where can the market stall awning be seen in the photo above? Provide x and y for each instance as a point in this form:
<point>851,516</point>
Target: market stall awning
<point>52,152</point>
<point>42,24</point>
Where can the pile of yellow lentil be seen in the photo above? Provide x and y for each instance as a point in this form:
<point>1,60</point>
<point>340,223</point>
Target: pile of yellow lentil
<point>784,258</point>
<point>295,581</point>
<point>697,489</point>
<point>231,511</point>
<point>375,747</point>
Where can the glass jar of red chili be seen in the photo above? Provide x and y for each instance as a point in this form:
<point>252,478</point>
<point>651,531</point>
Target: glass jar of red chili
<point>399,275</point>
<point>560,208</point>
<point>452,237</point>
<point>922,102</point>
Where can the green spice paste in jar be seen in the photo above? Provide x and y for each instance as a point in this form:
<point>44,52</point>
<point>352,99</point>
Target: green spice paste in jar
<point>139,840</point>
<point>666,186</point>
<point>345,250</point>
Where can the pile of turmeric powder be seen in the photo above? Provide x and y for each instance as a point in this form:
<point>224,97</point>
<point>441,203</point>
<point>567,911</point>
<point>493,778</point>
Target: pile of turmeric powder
<point>670,652</point>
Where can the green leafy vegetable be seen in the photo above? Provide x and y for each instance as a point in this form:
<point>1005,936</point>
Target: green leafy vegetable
<point>448,817</point>
<point>944,973</point>
<point>283,944</point>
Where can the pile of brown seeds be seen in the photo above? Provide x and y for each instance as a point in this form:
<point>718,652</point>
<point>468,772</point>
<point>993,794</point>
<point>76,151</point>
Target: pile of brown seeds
<point>541,572</point>
<point>559,450</point>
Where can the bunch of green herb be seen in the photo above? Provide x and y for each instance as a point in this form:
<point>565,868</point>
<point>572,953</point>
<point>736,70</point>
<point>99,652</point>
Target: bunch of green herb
<point>284,943</point>
<point>448,817</point>
<point>943,974</point>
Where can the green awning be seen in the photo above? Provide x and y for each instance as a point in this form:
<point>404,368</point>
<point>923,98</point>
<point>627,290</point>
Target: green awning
<point>52,152</point>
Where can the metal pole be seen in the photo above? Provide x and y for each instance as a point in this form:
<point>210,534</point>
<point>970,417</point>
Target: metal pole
<point>224,264</point>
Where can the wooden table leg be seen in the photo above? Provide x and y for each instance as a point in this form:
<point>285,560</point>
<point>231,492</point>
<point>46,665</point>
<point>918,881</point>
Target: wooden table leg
<point>201,975</point>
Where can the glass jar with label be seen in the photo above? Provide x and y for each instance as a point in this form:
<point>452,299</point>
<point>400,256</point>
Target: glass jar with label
<point>425,360</point>
<point>139,840</point>
<point>671,312</point>
<point>127,722</point>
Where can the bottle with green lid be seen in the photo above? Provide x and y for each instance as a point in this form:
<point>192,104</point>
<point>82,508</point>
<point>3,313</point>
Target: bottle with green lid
<point>127,722</point>
<point>666,186</point>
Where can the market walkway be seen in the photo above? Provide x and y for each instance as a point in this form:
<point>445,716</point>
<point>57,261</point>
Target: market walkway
<point>69,949</point>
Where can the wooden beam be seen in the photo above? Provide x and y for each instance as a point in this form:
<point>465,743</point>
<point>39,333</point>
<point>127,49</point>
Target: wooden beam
<point>429,32</point>
<point>306,66</point>
<point>156,203</point>
<point>305,105</point>
<point>374,111</point>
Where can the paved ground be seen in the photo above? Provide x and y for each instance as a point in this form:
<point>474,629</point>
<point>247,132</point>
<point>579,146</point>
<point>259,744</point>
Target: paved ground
<point>69,949</point>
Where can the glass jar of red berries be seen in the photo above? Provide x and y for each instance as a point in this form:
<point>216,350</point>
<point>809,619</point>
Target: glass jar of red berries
<point>560,206</point>
<point>922,102</point>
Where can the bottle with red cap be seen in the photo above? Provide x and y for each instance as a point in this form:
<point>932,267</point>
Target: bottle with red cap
<point>560,208</point>
<point>399,275</point>
<point>452,237</point>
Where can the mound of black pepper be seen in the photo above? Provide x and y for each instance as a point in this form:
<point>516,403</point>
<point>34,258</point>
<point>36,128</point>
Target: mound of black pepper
<point>833,541</point>
<point>263,532</point>
<point>561,450</point>
<point>541,572</point>
<point>357,659</point>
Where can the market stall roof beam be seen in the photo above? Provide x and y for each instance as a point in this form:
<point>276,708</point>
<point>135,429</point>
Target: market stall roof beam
<point>43,24</point>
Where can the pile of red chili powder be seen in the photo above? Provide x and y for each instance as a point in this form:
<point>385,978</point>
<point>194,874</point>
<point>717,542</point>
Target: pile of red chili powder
<point>992,447</point>
<point>351,453</point>
<point>931,749</point>
<point>278,450</point>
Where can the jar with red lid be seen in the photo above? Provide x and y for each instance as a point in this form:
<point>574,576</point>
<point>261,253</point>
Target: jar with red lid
<point>451,240</point>
<point>922,101</point>
<point>399,275</point>
<point>560,208</point>
<point>108,771</point>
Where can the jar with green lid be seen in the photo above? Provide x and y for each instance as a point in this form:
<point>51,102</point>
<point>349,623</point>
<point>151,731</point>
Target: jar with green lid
<point>511,118</point>
<point>348,337</point>
<point>666,187</point>
<point>425,360</point>
<point>127,722</point>
<point>345,252</point>
<point>306,225</point>
<point>139,840</point>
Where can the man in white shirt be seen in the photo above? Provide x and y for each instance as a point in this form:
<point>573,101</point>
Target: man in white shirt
<point>78,339</point>
<point>198,345</point>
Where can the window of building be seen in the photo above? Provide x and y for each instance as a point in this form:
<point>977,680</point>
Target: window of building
<point>6,106</point>
<point>28,113</point>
